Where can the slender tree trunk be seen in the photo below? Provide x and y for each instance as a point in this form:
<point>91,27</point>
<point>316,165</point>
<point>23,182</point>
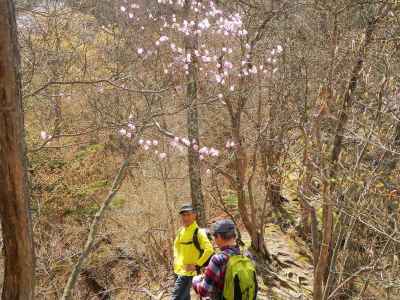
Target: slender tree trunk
<point>14,196</point>
<point>329,188</point>
<point>98,217</point>
<point>191,44</point>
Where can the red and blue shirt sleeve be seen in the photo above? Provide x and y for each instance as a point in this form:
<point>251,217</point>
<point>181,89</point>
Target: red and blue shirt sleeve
<point>213,279</point>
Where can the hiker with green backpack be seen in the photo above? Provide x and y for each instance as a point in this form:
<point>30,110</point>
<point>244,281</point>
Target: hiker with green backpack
<point>229,274</point>
<point>192,250</point>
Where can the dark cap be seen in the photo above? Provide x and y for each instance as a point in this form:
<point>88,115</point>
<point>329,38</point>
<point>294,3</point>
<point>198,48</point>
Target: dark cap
<point>223,226</point>
<point>186,208</point>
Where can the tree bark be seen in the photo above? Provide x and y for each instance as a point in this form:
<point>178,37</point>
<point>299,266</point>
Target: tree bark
<point>14,196</point>
<point>193,125</point>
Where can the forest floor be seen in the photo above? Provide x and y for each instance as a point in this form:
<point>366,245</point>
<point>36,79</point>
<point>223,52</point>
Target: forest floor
<point>292,268</point>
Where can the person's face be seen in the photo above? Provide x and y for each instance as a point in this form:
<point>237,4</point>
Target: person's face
<point>188,218</point>
<point>218,240</point>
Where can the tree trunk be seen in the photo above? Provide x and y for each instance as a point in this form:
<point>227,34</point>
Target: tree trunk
<point>14,197</point>
<point>98,217</point>
<point>193,124</point>
<point>324,259</point>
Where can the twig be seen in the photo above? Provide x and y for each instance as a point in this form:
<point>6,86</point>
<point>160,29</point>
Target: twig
<point>93,229</point>
<point>46,85</point>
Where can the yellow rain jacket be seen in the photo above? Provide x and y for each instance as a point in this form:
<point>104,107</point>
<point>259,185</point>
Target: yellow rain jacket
<point>186,253</point>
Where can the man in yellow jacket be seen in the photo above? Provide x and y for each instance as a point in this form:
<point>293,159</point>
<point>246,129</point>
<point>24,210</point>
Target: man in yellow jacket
<point>187,257</point>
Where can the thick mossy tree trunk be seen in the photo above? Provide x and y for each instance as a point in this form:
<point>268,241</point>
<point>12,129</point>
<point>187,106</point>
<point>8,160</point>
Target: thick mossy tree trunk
<point>14,207</point>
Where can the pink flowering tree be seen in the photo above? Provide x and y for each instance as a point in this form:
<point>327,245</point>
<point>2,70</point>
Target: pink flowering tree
<point>194,54</point>
<point>214,57</point>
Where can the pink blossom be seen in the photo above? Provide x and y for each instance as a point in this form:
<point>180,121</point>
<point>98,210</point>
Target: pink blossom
<point>204,150</point>
<point>122,131</point>
<point>206,59</point>
<point>185,141</point>
<point>228,65</point>
<point>162,155</point>
<point>214,152</point>
<point>141,142</point>
<point>43,135</point>
<point>204,24</point>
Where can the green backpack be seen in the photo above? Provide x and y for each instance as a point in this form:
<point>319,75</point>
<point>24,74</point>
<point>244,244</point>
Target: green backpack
<point>240,279</point>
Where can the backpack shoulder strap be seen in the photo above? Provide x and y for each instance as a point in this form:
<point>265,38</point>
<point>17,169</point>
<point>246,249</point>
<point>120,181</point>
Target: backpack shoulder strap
<point>196,242</point>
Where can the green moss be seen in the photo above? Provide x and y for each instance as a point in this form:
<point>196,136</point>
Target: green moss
<point>319,214</point>
<point>59,266</point>
<point>56,163</point>
<point>272,228</point>
<point>84,191</point>
<point>292,245</point>
<point>303,259</point>
<point>289,186</point>
<point>89,150</point>
<point>98,257</point>
<point>231,200</point>
<point>118,202</point>
<point>95,186</point>
<point>88,210</point>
